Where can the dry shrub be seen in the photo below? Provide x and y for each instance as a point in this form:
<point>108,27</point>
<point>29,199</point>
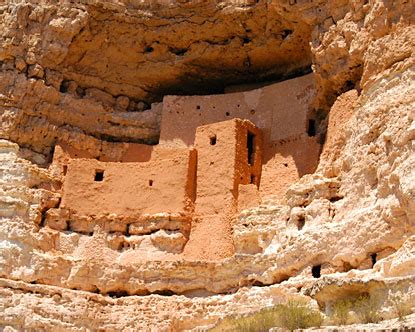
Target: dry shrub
<point>367,309</point>
<point>341,312</point>
<point>260,321</point>
<point>291,316</point>
<point>298,315</point>
<point>402,305</point>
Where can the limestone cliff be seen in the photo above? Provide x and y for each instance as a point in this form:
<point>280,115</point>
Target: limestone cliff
<point>93,74</point>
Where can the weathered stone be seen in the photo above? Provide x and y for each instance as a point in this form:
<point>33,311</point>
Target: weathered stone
<point>35,71</point>
<point>123,102</point>
<point>20,64</point>
<point>351,221</point>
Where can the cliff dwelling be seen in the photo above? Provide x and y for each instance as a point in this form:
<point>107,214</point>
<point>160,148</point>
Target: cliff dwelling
<point>217,155</point>
<point>233,165</point>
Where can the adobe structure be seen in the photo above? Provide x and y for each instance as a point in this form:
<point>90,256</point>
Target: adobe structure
<point>280,111</point>
<point>217,155</point>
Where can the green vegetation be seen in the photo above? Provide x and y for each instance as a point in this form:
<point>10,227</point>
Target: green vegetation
<point>298,315</point>
<point>292,315</point>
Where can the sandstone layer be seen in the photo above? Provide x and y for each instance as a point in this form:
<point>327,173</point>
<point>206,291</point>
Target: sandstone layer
<point>87,73</point>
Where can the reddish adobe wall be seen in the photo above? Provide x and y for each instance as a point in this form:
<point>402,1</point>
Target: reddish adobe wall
<point>165,184</point>
<point>284,162</point>
<point>229,154</point>
<point>279,110</point>
<point>223,162</point>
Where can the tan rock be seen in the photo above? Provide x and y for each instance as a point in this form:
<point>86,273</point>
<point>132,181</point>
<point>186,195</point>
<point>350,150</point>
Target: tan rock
<point>20,64</point>
<point>35,71</point>
<point>123,102</point>
<point>344,230</point>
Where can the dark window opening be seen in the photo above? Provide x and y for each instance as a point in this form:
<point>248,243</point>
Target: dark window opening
<point>300,222</point>
<point>65,169</point>
<point>164,292</point>
<point>99,175</point>
<point>311,129</point>
<point>150,183</point>
<point>117,294</point>
<point>64,87</point>
<point>148,49</point>
<point>198,107</point>
<point>373,258</point>
<point>178,51</point>
<point>335,198</point>
<point>285,33</point>
<point>253,179</point>
<point>349,85</point>
<point>227,113</point>
<point>213,140</point>
<point>51,153</point>
<point>250,145</point>
<point>246,40</point>
<point>316,271</point>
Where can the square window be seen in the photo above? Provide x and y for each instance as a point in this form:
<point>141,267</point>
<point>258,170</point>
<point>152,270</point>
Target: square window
<point>99,175</point>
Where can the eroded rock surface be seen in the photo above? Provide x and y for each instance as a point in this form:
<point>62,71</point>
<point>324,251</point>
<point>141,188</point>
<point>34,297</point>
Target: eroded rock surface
<point>85,73</point>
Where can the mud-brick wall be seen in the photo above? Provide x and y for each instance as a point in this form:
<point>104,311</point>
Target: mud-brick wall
<point>280,110</point>
<point>223,163</point>
<point>165,184</point>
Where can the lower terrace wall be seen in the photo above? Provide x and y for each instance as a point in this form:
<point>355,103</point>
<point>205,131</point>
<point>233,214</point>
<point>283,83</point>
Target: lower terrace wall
<point>165,184</point>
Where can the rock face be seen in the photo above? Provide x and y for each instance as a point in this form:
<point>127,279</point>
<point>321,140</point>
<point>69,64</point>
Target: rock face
<point>83,74</point>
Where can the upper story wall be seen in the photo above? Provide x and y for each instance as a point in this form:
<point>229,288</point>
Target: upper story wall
<point>279,110</point>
